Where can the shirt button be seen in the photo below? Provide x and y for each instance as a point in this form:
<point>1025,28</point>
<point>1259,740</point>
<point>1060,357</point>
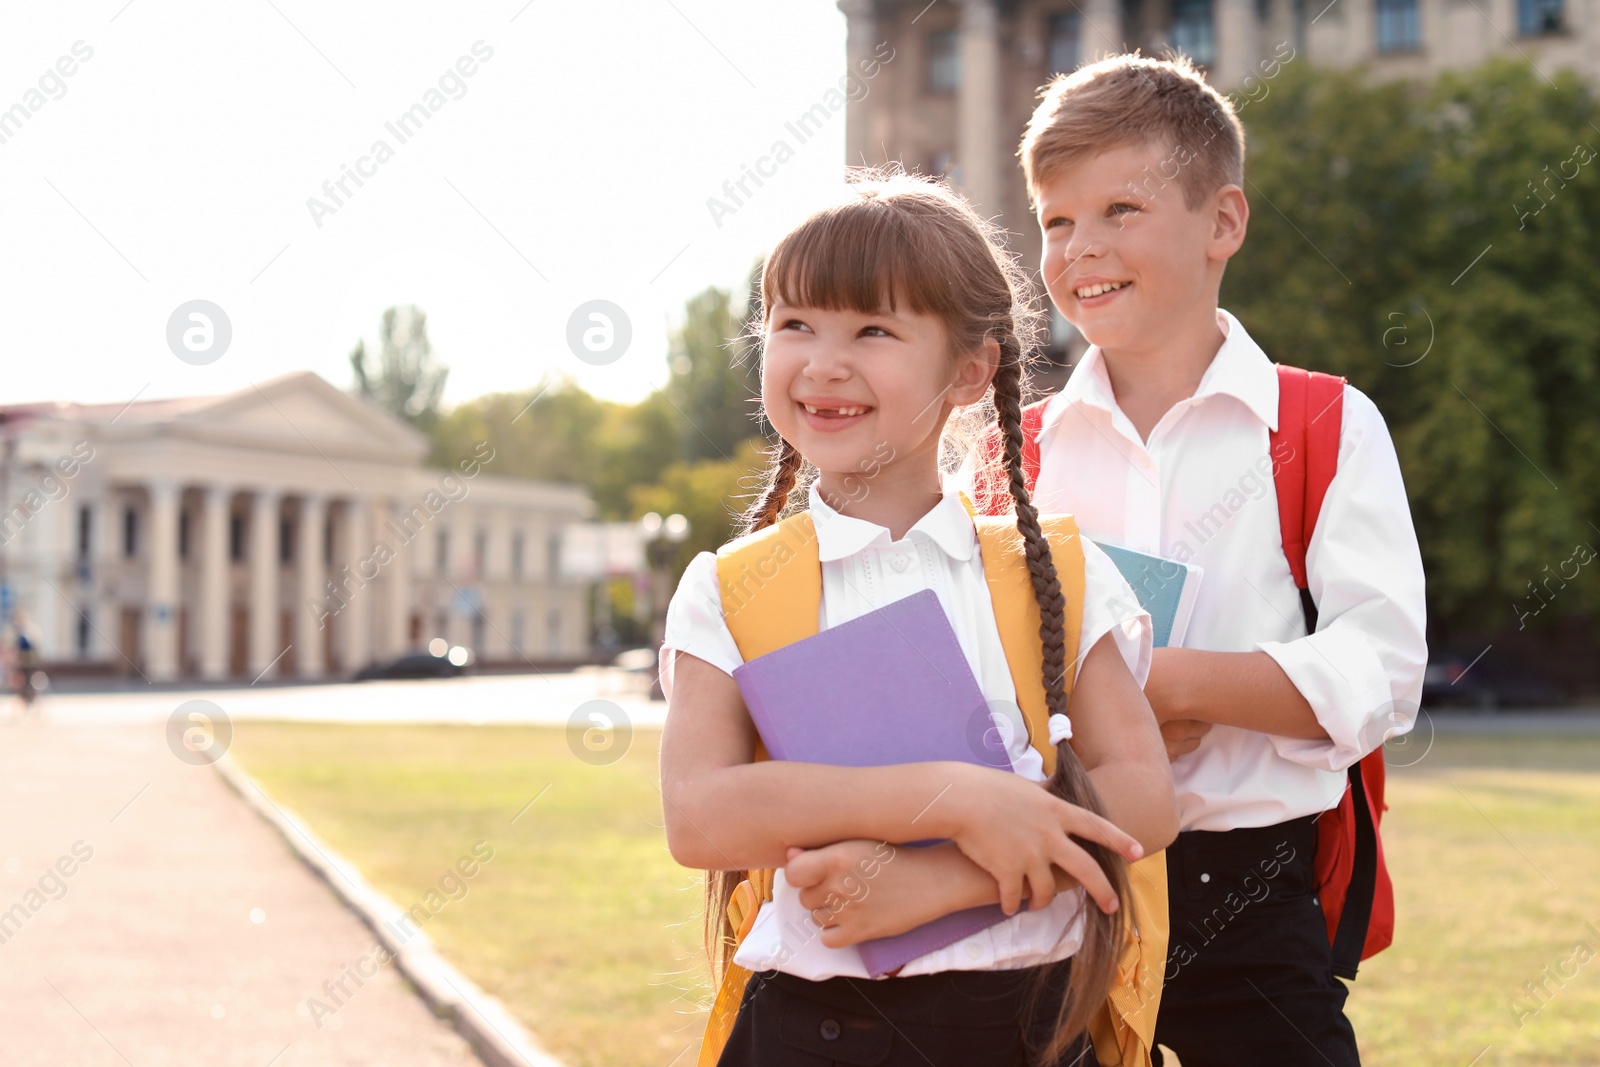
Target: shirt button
<point>899,561</point>
<point>974,949</point>
<point>830,1029</point>
<point>1205,878</point>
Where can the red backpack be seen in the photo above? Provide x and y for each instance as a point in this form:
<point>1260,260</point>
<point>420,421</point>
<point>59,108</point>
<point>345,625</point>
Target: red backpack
<point>1353,883</point>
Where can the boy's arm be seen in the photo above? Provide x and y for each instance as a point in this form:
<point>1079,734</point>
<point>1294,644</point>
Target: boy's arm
<point>1329,698</point>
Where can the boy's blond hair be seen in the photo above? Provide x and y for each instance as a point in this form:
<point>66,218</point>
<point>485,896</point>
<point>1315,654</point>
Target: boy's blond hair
<point>1131,99</point>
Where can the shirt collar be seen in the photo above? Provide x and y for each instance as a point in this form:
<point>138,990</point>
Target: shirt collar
<point>948,524</point>
<point>1240,369</point>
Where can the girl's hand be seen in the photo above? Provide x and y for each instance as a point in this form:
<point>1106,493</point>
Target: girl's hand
<point>858,890</point>
<point>1015,829</point>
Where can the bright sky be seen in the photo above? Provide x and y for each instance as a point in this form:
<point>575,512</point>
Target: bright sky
<point>175,162</point>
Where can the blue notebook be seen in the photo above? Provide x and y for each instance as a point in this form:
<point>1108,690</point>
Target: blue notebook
<point>1165,588</point>
<point>891,686</point>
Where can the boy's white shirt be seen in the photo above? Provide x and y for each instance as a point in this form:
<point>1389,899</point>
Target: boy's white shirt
<point>862,570</point>
<point>1201,490</point>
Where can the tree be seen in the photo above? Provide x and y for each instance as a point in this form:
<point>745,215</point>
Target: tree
<point>714,382</point>
<point>1434,242</point>
<point>408,381</point>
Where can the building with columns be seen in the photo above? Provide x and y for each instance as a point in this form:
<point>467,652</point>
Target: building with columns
<point>288,530</point>
<point>965,75</point>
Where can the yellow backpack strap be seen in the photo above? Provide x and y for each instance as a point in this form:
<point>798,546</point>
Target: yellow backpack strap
<point>1124,1032</point>
<point>771,584</point>
<point>1016,611</point>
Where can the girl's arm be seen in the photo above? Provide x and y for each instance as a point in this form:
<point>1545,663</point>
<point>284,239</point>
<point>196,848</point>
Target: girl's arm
<point>723,812</point>
<point>1114,734</point>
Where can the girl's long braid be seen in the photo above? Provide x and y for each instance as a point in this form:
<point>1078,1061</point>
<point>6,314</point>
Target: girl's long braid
<point>1094,966</point>
<point>780,478</point>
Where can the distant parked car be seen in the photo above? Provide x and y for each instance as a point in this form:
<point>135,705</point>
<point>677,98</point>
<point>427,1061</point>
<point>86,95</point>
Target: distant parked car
<point>1458,680</point>
<point>641,663</point>
<point>440,661</point>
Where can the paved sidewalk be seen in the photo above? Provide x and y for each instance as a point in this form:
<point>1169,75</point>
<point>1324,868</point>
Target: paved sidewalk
<point>148,917</point>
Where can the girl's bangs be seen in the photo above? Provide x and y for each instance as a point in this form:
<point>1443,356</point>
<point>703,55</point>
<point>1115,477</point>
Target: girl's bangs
<point>860,256</point>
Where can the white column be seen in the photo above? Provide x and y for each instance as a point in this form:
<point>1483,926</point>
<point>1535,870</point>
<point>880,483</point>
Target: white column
<point>161,617</point>
<point>214,583</point>
<point>860,41</point>
<point>1238,47</point>
<point>463,521</point>
<point>355,621</point>
<point>105,553</point>
<point>398,619</point>
<point>1102,31</point>
<point>497,587</point>
<point>264,637</point>
<point>978,122</point>
<point>310,623</point>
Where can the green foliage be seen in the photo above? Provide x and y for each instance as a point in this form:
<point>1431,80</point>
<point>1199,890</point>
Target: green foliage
<point>1371,203</point>
<point>715,384</point>
<point>690,439</point>
<point>710,493</point>
<point>408,381</point>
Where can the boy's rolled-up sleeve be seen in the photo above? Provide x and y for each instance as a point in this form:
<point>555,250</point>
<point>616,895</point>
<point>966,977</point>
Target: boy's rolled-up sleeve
<point>1361,672</point>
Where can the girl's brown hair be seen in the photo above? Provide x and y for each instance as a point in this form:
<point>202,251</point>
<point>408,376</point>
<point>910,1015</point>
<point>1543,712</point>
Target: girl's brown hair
<point>900,236</point>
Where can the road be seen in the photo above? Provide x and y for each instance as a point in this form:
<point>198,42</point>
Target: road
<point>551,699</point>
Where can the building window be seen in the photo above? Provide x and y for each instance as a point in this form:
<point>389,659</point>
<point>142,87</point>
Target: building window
<point>285,541</point>
<point>441,623</point>
<point>516,632</point>
<point>1398,28</point>
<point>516,555</point>
<point>1132,23</point>
<point>1536,17</point>
<point>441,551</point>
<point>478,622</point>
<point>941,163</point>
<point>236,538</point>
<point>480,552</point>
<point>84,630</point>
<point>1065,50</point>
<point>554,553</point>
<point>183,535</point>
<point>553,634</point>
<point>130,532</point>
<point>1191,30</point>
<point>944,61</point>
<point>327,541</point>
<point>85,531</point>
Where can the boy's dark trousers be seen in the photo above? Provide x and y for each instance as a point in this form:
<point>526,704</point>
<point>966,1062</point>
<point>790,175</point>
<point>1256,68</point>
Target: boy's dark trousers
<point>949,1019</point>
<point>1249,977</point>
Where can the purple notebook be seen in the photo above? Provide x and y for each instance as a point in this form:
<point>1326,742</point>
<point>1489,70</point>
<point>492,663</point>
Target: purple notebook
<point>891,686</point>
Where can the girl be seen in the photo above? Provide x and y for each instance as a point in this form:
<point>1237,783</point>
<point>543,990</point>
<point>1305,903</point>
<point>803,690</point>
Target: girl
<point>882,316</point>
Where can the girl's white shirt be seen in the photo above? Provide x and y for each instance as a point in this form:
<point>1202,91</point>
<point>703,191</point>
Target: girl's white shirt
<point>863,570</point>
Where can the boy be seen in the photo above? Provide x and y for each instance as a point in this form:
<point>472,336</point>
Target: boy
<point>1159,443</point>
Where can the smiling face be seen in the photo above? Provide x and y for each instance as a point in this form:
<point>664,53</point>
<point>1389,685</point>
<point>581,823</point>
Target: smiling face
<point>1125,259</point>
<point>864,393</point>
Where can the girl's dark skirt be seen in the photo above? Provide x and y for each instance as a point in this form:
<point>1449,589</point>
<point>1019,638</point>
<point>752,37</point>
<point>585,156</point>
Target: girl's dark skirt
<point>954,1018</point>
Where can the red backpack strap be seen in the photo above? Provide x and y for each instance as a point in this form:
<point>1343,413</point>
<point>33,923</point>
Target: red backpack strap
<point>1356,894</point>
<point>993,497</point>
<point>1305,454</point>
<point>1032,422</point>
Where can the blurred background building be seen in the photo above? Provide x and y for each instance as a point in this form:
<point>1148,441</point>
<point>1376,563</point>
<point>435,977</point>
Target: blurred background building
<point>142,537</point>
<point>965,75</point>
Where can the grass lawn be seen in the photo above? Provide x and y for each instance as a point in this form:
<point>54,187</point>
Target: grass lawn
<point>586,928</point>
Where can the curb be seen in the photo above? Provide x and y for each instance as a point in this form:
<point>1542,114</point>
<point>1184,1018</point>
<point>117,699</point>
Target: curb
<point>497,1037</point>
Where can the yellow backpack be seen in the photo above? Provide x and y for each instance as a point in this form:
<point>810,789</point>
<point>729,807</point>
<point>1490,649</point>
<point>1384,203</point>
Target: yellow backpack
<point>771,583</point>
